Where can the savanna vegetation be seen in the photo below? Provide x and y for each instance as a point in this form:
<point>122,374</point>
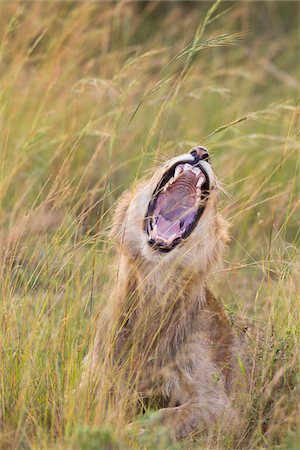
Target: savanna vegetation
<point>93,95</point>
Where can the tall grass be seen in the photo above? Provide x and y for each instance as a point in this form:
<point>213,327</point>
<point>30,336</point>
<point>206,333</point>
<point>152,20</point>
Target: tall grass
<point>92,96</point>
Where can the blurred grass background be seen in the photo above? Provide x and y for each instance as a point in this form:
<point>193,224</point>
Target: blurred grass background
<point>92,96</point>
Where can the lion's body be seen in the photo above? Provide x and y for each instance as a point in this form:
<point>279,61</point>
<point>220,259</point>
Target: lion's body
<point>165,327</point>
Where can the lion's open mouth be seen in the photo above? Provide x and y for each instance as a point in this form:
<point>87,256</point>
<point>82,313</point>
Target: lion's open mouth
<point>176,205</point>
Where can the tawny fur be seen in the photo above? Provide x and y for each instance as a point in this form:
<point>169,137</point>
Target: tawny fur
<point>165,329</point>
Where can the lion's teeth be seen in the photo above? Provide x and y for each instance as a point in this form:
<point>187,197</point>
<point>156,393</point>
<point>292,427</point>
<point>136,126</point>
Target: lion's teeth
<point>187,167</point>
<point>161,240</point>
<point>171,239</point>
<point>196,170</point>
<point>171,181</point>
<point>178,171</point>
<point>200,181</point>
<point>154,232</point>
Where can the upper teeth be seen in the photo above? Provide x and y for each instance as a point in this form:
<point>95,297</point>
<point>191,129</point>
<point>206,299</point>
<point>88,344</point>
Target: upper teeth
<point>180,169</point>
<point>201,180</point>
<point>187,167</point>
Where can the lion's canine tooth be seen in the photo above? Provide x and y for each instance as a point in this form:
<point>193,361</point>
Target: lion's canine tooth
<point>187,167</point>
<point>201,181</point>
<point>154,232</point>
<point>171,181</point>
<point>178,171</point>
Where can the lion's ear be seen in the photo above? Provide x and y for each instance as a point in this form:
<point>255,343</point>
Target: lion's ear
<point>119,217</point>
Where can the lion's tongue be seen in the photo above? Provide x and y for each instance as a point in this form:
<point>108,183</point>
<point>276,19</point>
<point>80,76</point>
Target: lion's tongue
<point>175,208</point>
<point>167,229</point>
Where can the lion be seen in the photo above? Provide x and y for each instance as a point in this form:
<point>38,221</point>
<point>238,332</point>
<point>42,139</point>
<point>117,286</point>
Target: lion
<point>162,326</point>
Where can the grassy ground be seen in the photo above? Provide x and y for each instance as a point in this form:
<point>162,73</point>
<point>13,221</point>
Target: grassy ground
<point>93,95</point>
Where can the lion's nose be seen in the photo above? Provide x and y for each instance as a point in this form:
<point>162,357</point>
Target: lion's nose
<point>200,153</point>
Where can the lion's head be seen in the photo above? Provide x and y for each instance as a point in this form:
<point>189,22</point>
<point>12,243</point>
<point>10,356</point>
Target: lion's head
<point>173,216</point>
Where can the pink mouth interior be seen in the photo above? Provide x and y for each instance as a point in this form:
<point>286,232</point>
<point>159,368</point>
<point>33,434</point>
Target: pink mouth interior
<point>175,209</point>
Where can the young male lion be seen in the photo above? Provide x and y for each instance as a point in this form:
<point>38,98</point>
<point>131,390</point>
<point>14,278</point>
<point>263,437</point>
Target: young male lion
<point>162,327</point>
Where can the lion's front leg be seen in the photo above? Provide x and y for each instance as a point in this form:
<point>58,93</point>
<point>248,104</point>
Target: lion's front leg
<point>198,416</point>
